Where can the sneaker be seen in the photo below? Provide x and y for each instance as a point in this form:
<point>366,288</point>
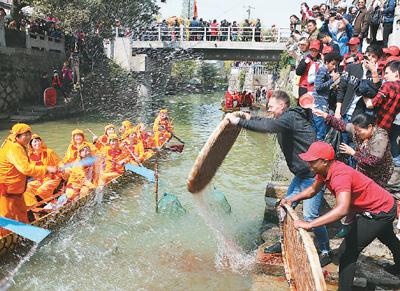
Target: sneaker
<point>392,269</point>
<point>275,249</point>
<point>343,231</point>
<point>325,258</point>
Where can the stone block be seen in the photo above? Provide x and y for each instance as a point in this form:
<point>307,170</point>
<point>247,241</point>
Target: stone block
<point>9,89</point>
<point>269,264</point>
<point>276,190</point>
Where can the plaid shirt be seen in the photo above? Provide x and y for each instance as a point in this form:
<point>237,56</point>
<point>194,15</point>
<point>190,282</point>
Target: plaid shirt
<point>387,101</point>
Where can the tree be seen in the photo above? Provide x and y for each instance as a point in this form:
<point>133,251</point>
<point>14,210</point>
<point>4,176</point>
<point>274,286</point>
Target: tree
<point>96,16</point>
<point>187,9</point>
<point>209,76</point>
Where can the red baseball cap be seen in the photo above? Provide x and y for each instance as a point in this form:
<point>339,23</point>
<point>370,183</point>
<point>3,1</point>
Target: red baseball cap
<point>327,49</point>
<point>394,50</point>
<point>392,58</point>
<point>353,40</point>
<point>318,150</point>
<point>315,44</point>
<point>385,50</point>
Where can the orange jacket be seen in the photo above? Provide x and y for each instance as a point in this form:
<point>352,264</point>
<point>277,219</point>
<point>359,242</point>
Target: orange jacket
<point>116,155</point>
<point>84,176</point>
<point>137,149</point>
<point>15,167</point>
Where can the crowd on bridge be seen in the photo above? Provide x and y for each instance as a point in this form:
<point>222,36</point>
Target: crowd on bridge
<point>198,29</point>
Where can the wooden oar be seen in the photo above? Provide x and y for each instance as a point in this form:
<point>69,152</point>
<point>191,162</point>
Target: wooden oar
<point>31,232</point>
<point>173,148</point>
<point>133,156</point>
<point>143,171</point>
<point>90,130</point>
<point>85,162</point>
<point>156,187</point>
<point>161,126</point>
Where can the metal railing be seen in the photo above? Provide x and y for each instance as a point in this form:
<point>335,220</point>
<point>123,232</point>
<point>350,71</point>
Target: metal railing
<point>15,38</point>
<point>247,34</point>
<point>251,69</point>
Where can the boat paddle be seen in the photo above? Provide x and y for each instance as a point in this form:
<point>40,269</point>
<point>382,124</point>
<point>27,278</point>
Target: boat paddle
<point>85,162</point>
<point>143,171</point>
<point>98,139</point>
<point>161,126</point>
<point>34,233</point>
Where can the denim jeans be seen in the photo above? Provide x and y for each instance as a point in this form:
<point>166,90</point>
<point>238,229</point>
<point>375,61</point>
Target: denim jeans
<point>394,133</point>
<point>319,125</point>
<point>310,209</point>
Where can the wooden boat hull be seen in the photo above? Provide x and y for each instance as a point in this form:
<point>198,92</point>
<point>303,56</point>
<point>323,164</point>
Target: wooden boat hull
<point>12,240</point>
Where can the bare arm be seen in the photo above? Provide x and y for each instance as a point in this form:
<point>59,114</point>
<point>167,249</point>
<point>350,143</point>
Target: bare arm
<point>368,102</point>
<point>307,193</point>
<point>341,209</point>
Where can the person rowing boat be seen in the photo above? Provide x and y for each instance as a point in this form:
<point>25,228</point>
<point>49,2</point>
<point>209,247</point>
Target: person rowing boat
<point>72,154</point>
<point>83,178</point>
<point>147,140</point>
<point>14,170</point>
<point>42,187</point>
<point>134,146</point>
<point>162,128</point>
<point>102,141</point>
<point>123,130</point>
<point>116,157</point>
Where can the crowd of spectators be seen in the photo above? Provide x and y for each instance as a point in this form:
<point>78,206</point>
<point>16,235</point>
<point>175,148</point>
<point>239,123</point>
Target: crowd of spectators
<point>199,30</point>
<point>42,26</point>
<point>344,61</point>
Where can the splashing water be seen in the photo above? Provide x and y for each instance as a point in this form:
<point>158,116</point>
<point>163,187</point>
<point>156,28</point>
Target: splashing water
<point>229,255</point>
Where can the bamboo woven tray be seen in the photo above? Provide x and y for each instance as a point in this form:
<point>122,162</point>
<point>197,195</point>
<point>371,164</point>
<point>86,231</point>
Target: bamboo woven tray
<point>212,155</point>
<point>300,258</point>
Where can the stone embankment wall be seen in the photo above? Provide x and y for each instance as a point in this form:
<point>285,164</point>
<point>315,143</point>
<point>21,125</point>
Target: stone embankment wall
<point>20,74</point>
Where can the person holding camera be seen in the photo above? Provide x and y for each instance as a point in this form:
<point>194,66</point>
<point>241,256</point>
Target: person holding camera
<point>339,28</point>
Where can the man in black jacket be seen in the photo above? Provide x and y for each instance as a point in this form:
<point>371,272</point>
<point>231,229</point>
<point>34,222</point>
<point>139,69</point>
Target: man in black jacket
<point>295,134</point>
<point>349,104</point>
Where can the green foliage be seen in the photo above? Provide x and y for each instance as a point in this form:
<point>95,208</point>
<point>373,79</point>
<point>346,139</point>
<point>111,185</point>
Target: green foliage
<point>242,78</point>
<point>184,69</point>
<point>209,76</point>
<point>187,9</point>
<point>90,16</point>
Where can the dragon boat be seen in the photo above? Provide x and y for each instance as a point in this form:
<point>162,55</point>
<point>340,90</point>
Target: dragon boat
<point>49,218</point>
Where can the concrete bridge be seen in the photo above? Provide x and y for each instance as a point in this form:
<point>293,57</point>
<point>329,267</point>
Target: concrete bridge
<point>151,52</point>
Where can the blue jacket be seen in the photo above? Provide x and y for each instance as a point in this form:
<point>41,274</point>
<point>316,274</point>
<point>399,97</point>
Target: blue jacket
<point>388,11</point>
<point>343,38</point>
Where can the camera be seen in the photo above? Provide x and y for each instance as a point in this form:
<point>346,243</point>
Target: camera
<point>333,14</point>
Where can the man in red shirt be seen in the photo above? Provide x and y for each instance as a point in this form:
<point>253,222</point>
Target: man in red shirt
<point>353,191</point>
<point>387,101</point>
<point>353,44</point>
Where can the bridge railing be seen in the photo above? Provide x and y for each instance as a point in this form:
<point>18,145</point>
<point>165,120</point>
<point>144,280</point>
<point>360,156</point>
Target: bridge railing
<point>25,39</point>
<point>248,34</point>
<point>252,69</point>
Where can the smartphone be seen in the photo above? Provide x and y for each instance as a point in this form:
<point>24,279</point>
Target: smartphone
<point>365,57</point>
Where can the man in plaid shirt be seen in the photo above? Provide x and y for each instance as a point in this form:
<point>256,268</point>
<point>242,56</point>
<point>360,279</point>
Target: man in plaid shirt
<point>387,101</point>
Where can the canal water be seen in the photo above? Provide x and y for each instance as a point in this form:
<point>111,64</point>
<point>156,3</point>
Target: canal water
<point>120,243</point>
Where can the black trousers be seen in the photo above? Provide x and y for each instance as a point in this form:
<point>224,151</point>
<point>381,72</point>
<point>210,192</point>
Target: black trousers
<point>363,232</point>
<point>387,30</point>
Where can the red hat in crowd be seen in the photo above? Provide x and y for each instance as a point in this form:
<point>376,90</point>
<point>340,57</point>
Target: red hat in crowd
<point>392,58</point>
<point>394,50</point>
<point>385,50</point>
<point>327,49</point>
<point>315,44</point>
<point>353,40</point>
<point>318,150</point>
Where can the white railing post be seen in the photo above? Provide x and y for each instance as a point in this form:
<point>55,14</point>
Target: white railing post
<point>28,39</point>
<point>205,33</point>
<point>229,33</point>
<point>159,33</point>
<point>253,34</point>
<point>279,35</point>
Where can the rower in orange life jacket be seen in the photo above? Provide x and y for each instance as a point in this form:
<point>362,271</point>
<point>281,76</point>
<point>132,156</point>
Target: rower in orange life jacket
<point>71,155</point>
<point>119,157</point>
<point>162,128</point>
<point>83,178</point>
<point>123,130</point>
<point>43,187</point>
<point>14,170</point>
<point>102,141</point>
<point>147,140</point>
<point>135,146</point>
